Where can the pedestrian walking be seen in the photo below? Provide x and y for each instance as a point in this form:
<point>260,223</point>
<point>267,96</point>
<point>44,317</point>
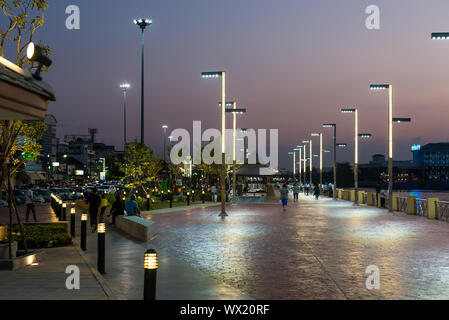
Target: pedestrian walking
<point>29,200</point>
<point>118,208</point>
<point>316,192</point>
<point>296,192</point>
<point>132,208</point>
<point>284,196</point>
<point>213,191</point>
<point>94,201</point>
<point>378,189</point>
<point>103,205</point>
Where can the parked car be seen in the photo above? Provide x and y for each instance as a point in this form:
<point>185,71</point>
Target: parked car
<point>46,194</point>
<point>19,196</point>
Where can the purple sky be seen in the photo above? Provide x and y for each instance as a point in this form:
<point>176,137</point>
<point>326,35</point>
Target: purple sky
<point>291,63</point>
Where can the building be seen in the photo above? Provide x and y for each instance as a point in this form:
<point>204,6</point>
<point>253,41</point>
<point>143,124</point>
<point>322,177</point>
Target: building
<point>49,141</point>
<point>376,171</point>
<point>434,159</point>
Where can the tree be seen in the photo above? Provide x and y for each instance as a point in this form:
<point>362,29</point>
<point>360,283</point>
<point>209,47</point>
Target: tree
<point>139,167</point>
<point>24,18</point>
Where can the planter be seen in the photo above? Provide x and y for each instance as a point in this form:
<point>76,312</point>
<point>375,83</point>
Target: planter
<point>3,232</point>
<point>4,250</point>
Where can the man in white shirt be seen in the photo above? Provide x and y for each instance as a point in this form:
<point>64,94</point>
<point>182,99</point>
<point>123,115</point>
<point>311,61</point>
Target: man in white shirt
<point>29,198</point>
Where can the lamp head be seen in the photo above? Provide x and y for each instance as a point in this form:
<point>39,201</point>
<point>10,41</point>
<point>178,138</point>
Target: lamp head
<point>399,120</point>
<point>228,103</point>
<point>329,125</point>
<point>379,86</point>
<point>213,74</point>
<point>315,134</point>
<point>440,36</point>
<point>35,53</point>
<point>143,23</point>
<point>342,145</point>
<point>365,135</point>
<point>348,110</point>
<point>125,86</point>
<point>236,111</point>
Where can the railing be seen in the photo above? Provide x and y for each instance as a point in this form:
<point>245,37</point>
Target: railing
<point>443,210</point>
<point>421,207</point>
<point>402,205</point>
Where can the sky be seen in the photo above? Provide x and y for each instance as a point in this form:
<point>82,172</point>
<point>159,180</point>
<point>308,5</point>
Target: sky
<point>291,63</point>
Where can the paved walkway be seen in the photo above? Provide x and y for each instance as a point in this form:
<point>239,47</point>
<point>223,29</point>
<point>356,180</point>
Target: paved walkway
<point>42,214</point>
<point>46,281</point>
<point>314,250</point>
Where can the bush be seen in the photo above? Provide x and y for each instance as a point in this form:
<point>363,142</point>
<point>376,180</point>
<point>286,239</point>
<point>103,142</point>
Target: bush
<point>42,236</point>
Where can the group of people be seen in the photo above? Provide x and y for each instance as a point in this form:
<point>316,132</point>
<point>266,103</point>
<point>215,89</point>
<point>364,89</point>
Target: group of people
<point>284,191</point>
<point>98,205</point>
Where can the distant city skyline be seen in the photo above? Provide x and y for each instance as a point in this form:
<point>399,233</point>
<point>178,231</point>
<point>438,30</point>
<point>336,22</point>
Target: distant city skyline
<point>291,64</point>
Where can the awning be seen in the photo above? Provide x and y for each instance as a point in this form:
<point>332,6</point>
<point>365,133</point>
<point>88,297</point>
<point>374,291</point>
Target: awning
<point>35,175</point>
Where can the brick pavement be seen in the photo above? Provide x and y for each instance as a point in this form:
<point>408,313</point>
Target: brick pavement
<point>315,250</point>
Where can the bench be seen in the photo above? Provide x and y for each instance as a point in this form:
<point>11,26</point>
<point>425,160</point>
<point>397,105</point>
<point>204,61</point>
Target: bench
<point>136,227</point>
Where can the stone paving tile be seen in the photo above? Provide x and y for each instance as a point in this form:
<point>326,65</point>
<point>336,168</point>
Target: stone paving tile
<point>46,281</point>
<point>314,250</point>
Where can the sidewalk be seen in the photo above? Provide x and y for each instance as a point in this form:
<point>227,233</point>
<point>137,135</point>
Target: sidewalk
<point>46,281</point>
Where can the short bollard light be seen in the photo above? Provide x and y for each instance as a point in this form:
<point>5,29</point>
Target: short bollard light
<point>150,265</point>
<point>148,202</point>
<point>188,198</point>
<point>64,212</point>
<point>101,247</point>
<point>162,195</point>
<point>83,230</point>
<point>193,195</point>
<point>170,198</point>
<point>202,197</point>
<point>72,222</point>
<point>60,210</point>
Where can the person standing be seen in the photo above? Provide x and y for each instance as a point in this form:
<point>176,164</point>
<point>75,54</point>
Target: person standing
<point>94,201</point>
<point>132,208</point>
<point>284,196</point>
<point>29,200</point>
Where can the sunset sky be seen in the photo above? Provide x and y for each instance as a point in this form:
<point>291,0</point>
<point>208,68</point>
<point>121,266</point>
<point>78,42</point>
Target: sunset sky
<point>292,63</point>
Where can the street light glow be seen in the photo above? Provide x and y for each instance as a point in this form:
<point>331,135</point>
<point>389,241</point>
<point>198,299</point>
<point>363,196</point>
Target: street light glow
<point>347,110</point>
<point>329,125</point>
<point>399,120</point>
<point>379,86</point>
<point>342,145</point>
<point>125,86</point>
<point>365,135</point>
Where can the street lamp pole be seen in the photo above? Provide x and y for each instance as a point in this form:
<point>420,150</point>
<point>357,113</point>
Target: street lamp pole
<point>321,156</point>
<point>221,74</point>
<point>164,127</point>
<point>142,23</point>
<point>389,87</point>
<point>310,160</point>
<point>124,87</point>
<point>334,125</point>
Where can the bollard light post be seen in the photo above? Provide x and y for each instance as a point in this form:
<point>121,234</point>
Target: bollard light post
<point>170,198</point>
<point>72,222</point>
<point>64,212</point>
<point>202,196</point>
<point>150,266</point>
<point>148,202</point>
<point>83,231</point>
<point>188,198</point>
<point>101,254</point>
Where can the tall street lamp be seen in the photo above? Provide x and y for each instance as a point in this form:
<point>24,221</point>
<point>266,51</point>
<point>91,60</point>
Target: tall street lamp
<point>391,120</point>
<point>356,148</point>
<point>222,74</point>
<point>440,36</point>
<point>124,87</point>
<point>142,23</point>
<point>299,149</point>
<point>234,112</point>
<point>165,127</point>
<point>310,160</point>
<point>294,163</point>
<point>334,125</point>
<point>321,156</point>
